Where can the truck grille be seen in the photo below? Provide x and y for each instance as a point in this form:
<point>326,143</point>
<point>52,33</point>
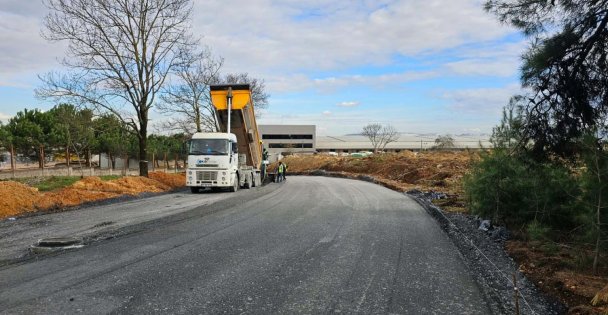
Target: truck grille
<point>206,176</point>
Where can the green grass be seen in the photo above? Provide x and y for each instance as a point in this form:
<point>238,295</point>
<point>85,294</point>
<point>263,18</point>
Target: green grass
<point>56,182</point>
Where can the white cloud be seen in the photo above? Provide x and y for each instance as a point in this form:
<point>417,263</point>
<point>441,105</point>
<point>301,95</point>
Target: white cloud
<point>327,113</point>
<point>299,35</point>
<point>24,52</point>
<point>481,101</point>
<point>301,82</point>
<point>484,67</point>
<point>348,104</point>
<point>4,117</point>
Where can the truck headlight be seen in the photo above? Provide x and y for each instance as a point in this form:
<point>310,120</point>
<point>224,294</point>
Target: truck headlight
<point>223,178</point>
<point>189,172</point>
<point>190,178</point>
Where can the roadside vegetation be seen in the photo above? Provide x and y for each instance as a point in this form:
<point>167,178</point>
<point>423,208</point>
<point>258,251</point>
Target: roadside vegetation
<point>547,175</point>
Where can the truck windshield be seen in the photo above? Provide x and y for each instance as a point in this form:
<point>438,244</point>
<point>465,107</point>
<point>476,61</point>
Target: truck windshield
<point>208,147</point>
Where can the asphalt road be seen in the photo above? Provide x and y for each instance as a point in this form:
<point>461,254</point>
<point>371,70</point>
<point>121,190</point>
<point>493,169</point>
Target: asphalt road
<point>309,245</point>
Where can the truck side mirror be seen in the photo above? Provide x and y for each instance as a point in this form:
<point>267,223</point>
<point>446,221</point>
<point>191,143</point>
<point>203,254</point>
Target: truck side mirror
<point>186,146</point>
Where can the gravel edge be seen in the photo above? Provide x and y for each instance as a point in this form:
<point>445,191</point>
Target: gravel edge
<point>491,265</point>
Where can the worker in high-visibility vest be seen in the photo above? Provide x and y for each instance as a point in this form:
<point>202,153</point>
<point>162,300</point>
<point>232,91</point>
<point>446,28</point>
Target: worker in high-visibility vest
<point>280,172</point>
<point>284,171</point>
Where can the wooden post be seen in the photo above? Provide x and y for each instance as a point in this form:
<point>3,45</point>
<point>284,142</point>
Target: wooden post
<point>13,160</point>
<point>516,293</point>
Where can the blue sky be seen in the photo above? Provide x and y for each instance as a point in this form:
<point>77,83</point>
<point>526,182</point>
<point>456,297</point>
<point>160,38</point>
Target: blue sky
<point>423,66</point>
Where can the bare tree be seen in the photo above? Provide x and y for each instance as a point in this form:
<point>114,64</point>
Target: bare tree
<point>380,136</point>
<point>119,56</point>
<point>258,88</point>
<point>372,131</point>
<point>389,134</point>
<point>444,142</point>
<point>188,101</point>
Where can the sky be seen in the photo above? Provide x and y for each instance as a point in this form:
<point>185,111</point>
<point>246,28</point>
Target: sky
<point>422,66</point>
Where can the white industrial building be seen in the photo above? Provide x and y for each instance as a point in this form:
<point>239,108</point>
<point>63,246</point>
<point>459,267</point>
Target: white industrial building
<point>282,140</point>
<point>289,139</point>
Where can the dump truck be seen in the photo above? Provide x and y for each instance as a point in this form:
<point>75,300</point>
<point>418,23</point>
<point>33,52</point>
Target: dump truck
<point>231,158</point>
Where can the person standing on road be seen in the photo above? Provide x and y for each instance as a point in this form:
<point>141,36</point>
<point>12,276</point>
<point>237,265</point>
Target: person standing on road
<point>280,172</point>
<point>284,171</point>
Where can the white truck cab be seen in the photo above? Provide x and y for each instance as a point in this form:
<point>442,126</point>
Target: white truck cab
<point>230,159</point>
<point>212,161</point>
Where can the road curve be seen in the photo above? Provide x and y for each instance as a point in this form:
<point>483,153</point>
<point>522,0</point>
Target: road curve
<point>312,245</point>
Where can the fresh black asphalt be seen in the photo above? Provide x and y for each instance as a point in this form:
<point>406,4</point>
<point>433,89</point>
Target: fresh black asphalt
<point>311,245</point>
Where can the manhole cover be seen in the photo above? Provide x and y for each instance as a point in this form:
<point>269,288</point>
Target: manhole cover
<point>47,245</point>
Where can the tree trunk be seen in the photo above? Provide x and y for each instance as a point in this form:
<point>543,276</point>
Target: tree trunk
<point>176,160</point>
<point>67,155</point>
<point>125,166</point>
<point>166,162</point>
<point>598,213</point>
<point>112,161</point>
<point>153,165</point>
<point>88,158</point>
<point>143,139</point>
<point>41,157</point>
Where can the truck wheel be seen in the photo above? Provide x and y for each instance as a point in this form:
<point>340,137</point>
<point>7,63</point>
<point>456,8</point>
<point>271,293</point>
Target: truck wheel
<point>235,185</point>
<point>248,183</point>
<point>194,190</point>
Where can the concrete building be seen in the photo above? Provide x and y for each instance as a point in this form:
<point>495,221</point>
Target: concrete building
<point>288,139</point>
<point>281,140</point>
<point>413,142</point>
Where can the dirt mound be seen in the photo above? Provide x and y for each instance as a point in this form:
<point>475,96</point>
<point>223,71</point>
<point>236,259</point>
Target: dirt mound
<point>21,198</point>
<point>433,170</point>
<point>96,184</point>
<point>171,180</point>
<point>69,197</point>
<point>138,184</point>
<point>16,198</point>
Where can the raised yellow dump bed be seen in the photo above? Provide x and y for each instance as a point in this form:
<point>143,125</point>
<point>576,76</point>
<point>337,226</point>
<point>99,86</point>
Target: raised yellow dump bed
<point>243,123</point>
<point>241,96</point>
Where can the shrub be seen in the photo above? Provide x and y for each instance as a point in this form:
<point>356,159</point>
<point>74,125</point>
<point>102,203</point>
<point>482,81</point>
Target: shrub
<point>515,190</point>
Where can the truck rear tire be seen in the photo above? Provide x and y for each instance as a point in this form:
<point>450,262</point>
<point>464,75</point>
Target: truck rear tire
<point>248,183</point>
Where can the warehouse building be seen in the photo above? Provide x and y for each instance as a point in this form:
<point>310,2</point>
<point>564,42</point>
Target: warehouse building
<point>281,140</point>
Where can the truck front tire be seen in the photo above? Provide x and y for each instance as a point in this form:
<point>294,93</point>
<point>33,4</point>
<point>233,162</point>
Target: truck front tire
<point>235,185</point>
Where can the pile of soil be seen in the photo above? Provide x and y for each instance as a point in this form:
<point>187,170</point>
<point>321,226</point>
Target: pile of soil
<point>19,198</point>
<point>171,180</point>
<point>433,170</point>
